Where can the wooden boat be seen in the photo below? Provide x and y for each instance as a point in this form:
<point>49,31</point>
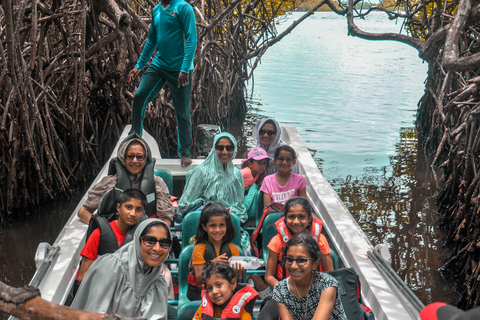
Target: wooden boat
<point>382,290</point>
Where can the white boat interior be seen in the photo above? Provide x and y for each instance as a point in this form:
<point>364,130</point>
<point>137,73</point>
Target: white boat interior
<point>382,290</point>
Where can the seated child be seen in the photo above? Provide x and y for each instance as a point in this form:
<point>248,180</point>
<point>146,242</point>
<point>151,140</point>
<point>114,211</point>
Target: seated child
<point>214,245</point>
<point>223,297</point>
<point>307,293</point>
<point>254,166</point>
<point>130,207</point>
<point>283,185</point>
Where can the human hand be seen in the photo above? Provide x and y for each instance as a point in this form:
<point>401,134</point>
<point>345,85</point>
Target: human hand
<point>182,79</point>
<point>133,74</point>
<point>238,268</point>
<point>221,259</point>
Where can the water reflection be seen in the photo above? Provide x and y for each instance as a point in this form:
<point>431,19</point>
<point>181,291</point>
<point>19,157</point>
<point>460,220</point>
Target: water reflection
<point>396,204</point>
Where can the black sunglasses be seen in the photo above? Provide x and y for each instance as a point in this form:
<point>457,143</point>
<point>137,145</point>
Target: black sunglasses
<point>299,261</point>
<point>268,132</point>
<point>229,148</point>
<point>150,241</point>
<point>130,157</point>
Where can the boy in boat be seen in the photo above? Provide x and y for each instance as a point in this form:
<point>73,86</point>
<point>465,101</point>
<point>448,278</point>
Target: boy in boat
<point>130,208</point>
<point>133,168</point>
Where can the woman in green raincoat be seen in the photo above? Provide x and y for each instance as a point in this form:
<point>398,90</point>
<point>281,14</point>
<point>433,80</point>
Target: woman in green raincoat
<point>217,179</point>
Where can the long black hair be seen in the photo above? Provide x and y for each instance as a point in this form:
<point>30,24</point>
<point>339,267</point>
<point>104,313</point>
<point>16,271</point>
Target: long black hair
<point>214,210</point>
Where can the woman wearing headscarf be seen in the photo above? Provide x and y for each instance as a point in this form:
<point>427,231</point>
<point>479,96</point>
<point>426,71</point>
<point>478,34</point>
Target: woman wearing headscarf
<point>217,179</point>
<point>134,167</point>
<point>267,135</point>
<point>129,281</point>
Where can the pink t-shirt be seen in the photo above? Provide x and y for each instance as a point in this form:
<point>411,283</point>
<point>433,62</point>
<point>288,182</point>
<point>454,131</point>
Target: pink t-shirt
<point>280,193</point>
<point>248,178</point>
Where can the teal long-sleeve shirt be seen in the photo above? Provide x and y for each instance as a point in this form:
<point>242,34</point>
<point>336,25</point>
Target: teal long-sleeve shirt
<point>173,34</point>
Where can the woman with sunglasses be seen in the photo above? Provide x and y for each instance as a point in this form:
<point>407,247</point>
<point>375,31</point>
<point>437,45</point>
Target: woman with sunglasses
<point>133,168</point>
<point>307,293</point>
<point>129,282</point>
<point>217,179</point>
<point>267,135</point>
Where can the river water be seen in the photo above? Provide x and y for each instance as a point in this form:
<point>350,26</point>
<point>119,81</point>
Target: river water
<point>354,103</point>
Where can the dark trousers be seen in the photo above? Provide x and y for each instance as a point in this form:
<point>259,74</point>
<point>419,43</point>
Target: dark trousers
<point>269,311</point>
<point>150,85</point>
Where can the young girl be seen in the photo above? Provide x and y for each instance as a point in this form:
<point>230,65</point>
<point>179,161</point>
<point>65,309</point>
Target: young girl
<point>307,293</point>
<point>224,297</point>
<point>297,218</point>
<point>284,184</point>
<point>253,166</point>
<point>214,244</point>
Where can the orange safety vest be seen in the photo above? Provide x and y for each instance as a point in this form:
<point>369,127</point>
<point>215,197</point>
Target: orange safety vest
<point>234,307</point>
<point>285,235</point>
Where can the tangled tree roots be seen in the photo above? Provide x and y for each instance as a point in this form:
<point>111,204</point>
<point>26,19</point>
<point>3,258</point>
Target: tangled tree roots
<point>449,120</point>
<point>64,98</point>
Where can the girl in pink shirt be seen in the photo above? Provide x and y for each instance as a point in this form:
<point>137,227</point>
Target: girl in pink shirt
<point>283,185</point>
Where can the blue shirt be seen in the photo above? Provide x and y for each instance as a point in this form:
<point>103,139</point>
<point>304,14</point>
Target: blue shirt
<point>173,34</point>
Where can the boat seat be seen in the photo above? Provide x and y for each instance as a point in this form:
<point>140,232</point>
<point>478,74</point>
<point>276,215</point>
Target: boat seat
<point>190,226</point>
<point>108,205</point>
<point>183,262</point>
<point>259,208</point>
<point>167,178</point>
<point>269,231</point>
<point>187,310</point>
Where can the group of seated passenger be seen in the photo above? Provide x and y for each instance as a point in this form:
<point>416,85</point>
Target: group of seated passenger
<point>133,281</point>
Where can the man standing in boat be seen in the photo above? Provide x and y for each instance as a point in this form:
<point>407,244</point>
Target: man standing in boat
<point>173,34</point>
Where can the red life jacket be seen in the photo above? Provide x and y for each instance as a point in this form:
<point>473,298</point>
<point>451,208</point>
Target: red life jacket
<point>233,310</point>
<point>285,235</point>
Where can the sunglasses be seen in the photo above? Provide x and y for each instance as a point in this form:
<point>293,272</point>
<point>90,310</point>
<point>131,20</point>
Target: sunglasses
<point>150,241</point>
<point>268,132</point>
<point>130,157</point>
<point>229,148</point>
<point>281,159</point>
<point>299,261</point>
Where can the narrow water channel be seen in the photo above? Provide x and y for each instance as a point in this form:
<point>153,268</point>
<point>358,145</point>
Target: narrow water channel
<point>354,103</point>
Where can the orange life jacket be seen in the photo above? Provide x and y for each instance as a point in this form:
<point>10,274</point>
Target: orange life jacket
<point>285,235</point>
<point>244,295</point>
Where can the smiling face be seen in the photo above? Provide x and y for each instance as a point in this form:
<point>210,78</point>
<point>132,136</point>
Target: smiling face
<point>130,213</point>
<point>133,164</point>
<point>155,255</point>
<point>297,219</point>
<point>269,133</point>
<point>216,228</point>
<point>219,290</point>
<point>284,161</point>
<point>300,272</point>
<point>222,148</point>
